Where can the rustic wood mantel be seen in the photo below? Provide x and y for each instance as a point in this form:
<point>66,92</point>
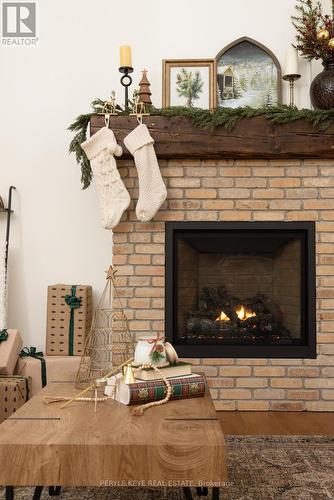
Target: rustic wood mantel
<point>256,138</point>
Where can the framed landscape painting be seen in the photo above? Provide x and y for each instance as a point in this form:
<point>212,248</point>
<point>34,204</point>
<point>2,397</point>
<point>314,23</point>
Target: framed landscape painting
<point>188,82</point>
<point>248,74</point>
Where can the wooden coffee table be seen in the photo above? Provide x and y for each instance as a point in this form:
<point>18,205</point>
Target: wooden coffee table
<point>177,444</point>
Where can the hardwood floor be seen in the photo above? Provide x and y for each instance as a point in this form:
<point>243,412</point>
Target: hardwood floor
<point>254,422</point>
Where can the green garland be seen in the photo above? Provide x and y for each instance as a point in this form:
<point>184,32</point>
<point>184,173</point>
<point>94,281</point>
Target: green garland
<point>80,126</point>
<point>228,117</point>
<point>220,117</point>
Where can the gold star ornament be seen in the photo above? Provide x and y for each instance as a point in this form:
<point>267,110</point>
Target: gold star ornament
<point>111,272</point>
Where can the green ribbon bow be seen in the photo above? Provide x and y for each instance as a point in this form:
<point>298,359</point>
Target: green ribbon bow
<point>3,335</point>
<point>74,303</point>
<point>32,353</point>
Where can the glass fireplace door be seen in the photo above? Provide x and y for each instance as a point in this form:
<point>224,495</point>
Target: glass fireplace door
<point>244,285</point>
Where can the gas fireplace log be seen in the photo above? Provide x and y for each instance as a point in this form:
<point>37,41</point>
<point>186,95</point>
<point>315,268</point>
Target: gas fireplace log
<point>261,303</point>
<point>230,312</point>
<point>212,315</point>
<point>218,300</point>
<point>264,325</point>
<point>204,326</point>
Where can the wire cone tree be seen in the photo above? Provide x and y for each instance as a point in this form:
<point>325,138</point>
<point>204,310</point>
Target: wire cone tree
<point>109,342</point>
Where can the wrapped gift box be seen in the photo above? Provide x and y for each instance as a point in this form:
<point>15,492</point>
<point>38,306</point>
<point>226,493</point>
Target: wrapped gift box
<point>14,392</point>
<point>69,317</point>
<point>58,369</point>
<point>9,352</point>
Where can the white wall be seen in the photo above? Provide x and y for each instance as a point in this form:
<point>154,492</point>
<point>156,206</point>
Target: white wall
<point>56,236</point>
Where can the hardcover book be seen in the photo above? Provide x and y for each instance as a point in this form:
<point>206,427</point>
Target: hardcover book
<point>180,369</point>
<point>192,386</point>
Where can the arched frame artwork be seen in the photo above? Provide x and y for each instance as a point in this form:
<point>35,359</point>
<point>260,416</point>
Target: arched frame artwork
<point>248,74</point>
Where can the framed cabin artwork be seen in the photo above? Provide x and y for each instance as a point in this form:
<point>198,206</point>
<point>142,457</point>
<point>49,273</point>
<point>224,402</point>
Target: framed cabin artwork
<point>248,74</point>
<point>189,82</point>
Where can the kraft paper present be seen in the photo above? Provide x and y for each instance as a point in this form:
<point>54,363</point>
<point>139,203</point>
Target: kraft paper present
<point>58,369</point>
<point>9,352</point>
<point>14,392</point>
<point>69,318</point>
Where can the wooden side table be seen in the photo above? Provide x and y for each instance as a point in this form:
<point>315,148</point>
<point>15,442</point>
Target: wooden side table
<point>177,443</point>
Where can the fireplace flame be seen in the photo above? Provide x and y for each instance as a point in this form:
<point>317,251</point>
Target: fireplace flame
<point>222,317</point>
<point>241,313</point>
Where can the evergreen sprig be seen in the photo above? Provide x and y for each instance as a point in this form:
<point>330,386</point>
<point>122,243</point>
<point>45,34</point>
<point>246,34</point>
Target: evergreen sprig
<point>156,356</point>
<point>308,21</point>
<point>80,126</point>
<point>202,118</point>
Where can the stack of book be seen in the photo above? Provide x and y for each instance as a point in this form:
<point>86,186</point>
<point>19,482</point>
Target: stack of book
<point>150,387</point>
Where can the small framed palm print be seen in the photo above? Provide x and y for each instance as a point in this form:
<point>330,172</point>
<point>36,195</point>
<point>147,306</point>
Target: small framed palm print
<point>189,83</point>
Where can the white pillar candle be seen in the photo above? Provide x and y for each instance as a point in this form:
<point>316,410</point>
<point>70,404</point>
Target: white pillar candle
<point>291,62</point>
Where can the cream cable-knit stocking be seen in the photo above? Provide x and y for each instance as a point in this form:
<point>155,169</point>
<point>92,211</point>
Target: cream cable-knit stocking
<point>152,190</point>
<point>113,196</point>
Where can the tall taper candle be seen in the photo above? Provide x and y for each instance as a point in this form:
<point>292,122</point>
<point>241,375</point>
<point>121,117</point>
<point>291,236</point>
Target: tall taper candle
<point>291,62</point>
<point>125,56</point>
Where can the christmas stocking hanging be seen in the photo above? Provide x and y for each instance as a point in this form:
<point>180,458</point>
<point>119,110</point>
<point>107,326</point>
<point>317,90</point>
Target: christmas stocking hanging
<point>113,196</point>
<point>152,190</point>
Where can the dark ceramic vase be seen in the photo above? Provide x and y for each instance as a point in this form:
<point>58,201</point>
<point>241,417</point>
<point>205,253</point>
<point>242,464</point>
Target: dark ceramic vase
<point>322,87</point>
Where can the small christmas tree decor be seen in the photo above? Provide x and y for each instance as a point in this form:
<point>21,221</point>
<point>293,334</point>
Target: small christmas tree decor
<point>268,98</point>
<point>109,342</point>
<point>144,90</point>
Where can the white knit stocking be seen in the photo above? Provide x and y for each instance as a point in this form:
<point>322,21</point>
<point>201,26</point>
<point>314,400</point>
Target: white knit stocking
<point>114,198</point>
<point>152,190</point>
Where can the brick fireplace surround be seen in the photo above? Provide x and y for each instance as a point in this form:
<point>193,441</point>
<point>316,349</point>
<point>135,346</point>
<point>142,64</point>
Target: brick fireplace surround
<point>242,190</point>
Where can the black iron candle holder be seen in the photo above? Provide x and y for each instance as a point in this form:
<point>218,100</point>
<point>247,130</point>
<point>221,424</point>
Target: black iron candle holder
<point>291,79</point>
<point>126,81</point>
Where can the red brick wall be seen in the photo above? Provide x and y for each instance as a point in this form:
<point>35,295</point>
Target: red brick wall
<point>242,190</point>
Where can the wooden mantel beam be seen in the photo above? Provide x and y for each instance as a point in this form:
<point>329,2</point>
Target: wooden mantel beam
<point>256,138</point>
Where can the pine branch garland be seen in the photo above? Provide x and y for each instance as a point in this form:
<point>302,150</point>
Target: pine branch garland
<point>228,117</point>
<point>80,126</point>
<point>202,118</point>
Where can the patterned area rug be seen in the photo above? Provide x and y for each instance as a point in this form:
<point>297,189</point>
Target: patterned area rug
<point>260,468</point>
